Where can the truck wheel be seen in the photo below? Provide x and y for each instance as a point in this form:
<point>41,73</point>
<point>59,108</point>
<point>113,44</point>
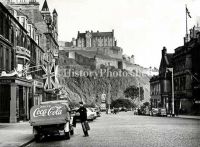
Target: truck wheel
<point>38,138</point>
<point>72,132</point>
<point>67,135</point>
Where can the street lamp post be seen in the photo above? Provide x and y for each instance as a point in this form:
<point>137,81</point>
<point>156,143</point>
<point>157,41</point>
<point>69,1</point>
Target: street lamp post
<point>139,94</point>
<point>171,70</point>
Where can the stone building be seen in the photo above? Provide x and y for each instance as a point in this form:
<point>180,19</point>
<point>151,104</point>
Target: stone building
<point>99,49</point>
<point>46,35</point>
<point>155,91</point>
<point>186,75</point>
<point>96,39</point>
<point>100,42</point>
<point>160,86</point>
<point>28,41</point>
<point>17,52</point>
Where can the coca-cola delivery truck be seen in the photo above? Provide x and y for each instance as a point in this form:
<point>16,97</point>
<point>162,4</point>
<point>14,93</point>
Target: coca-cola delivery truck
<point>51,118</point>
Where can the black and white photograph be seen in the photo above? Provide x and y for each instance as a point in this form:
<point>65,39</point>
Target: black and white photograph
<point>99,73</point>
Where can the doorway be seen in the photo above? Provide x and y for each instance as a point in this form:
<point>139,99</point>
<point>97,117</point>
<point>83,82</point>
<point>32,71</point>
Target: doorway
<point>4,103</point>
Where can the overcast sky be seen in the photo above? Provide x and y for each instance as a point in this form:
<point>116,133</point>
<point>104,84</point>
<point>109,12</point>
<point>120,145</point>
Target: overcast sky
<point>142,27</point>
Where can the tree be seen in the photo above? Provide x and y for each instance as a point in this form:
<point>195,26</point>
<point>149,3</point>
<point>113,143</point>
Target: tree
<point>132,92</point>
<point>122,103</point>
<point>146,104</point>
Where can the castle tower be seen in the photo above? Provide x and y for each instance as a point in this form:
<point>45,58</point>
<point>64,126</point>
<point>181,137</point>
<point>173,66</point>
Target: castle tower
<point>46,13</point>
<point>55,18</point>
<point>55,23</point>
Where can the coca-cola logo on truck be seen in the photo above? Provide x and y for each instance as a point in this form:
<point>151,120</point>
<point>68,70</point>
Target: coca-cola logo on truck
<point>47,111</point>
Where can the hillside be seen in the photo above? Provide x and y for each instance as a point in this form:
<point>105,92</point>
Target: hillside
<point>90,89</point>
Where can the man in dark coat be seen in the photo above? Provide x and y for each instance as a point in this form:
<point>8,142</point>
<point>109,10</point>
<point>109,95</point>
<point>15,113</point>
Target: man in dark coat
<point>83,117</point>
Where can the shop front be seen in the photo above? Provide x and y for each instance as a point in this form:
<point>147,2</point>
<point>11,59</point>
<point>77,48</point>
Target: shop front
<point>15,99</point>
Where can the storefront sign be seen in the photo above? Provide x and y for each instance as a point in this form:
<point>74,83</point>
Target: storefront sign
<point>47,111</point>
<point>6,81</point>
<point>38,84</point>
<point>23,51</point>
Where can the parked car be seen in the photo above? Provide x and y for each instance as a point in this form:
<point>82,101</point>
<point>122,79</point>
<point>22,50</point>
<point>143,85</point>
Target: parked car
<point>162,112</point>
<point>91,114</point>
<point>154,112</point>
<point>98,111</point>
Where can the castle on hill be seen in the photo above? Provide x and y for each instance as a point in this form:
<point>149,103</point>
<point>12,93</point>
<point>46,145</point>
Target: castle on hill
<point>98,49</point>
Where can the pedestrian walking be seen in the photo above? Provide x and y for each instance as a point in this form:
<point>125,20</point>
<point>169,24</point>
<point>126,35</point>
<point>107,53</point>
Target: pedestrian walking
<point>83,118</point>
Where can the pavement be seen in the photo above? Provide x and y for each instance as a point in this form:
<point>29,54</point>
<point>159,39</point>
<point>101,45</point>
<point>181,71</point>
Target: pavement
<point>15,134</point>
<point>188,116</point>
<point>20,134</point>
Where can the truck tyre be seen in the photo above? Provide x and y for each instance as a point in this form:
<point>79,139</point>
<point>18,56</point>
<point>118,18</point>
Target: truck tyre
<point>38,138</point>
<point>67,135</point>
<point>72,132</point>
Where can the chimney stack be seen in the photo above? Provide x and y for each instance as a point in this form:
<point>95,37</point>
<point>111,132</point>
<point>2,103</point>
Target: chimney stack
<point>164,51</point>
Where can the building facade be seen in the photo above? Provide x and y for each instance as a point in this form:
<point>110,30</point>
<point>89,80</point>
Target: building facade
<point>15,53</point>
<point>160,86</point>
<point>186,80</point>
<point>155,92</point>
<point>46,24</point>
<point>47,31</point>
<point>28,52</point>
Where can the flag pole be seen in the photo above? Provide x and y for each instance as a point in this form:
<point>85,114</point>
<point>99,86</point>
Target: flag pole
<point>186,24</point>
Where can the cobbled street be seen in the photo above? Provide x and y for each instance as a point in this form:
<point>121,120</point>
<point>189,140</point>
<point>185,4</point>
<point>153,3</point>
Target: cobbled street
<point>127,130</point>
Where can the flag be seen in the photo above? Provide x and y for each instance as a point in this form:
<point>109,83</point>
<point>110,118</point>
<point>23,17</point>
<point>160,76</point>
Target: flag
<point>188,13</point>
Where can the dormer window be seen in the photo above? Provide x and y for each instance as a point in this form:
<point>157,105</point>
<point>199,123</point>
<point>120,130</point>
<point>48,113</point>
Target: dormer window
<point>33,34</point>
<point>29,30</point>
<point>23,21</point>
<point>37,39</point>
